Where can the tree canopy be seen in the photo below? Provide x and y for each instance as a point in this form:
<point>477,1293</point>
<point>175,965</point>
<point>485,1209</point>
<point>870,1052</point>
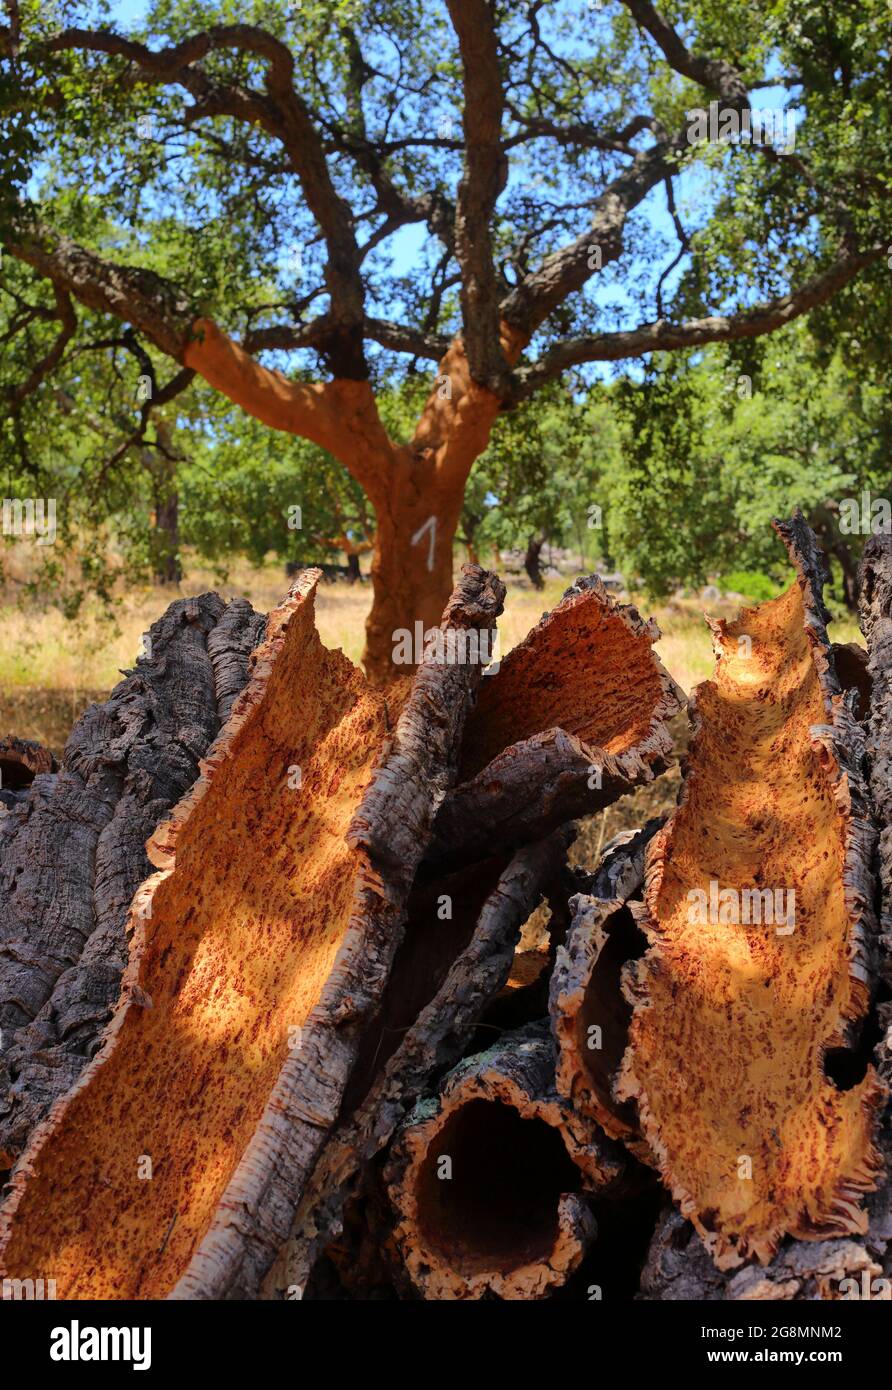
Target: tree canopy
<point>308,204</point>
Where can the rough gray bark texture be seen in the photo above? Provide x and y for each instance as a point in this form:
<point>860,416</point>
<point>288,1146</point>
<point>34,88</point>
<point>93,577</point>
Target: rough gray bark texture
<point>876,624</point>
<point>72,851</point>
<point>586,989</point>
<point>434,1041</point>
<point>20,762</point>
<point>509,1217</point>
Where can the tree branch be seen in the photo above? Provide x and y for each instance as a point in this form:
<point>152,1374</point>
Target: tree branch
<point>662,336</point>
<point>567,269</point>
<point>148,301</point>
<point>398,337</point>
<point>398,207</point>
<point>713,73</point>
<point>485,176</point>
<point>136,439</point>
<point>401,337</point>
<point>684,245</point>
<point>340,415</point>
<point>283,114</point>
<point>48,363</point>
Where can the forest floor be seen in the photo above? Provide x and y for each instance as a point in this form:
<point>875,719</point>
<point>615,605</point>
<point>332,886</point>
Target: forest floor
<point>52,668</point>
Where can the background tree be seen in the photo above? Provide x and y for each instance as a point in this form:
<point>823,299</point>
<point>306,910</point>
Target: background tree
<point>234,194</point>
<point>716,444</point>
<point>537,479</point>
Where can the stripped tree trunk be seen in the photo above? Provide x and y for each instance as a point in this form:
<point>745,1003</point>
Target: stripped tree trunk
<point>416,488</point>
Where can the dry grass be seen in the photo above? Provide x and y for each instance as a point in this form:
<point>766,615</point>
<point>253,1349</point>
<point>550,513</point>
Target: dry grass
<point>52,668</point>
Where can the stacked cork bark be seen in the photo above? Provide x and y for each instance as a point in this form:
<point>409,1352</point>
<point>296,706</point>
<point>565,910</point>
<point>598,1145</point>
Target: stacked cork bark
<point>320,1051</point>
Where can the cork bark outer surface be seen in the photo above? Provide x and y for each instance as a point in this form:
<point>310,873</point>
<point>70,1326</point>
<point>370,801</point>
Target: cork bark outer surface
<point>72,849</point>
<point>876,624</point>
<point>733,1019</point>
<point>445,1255</point>
<point>21,759</point>
<point>586,993</point>
<point>434,1042</point>
<point>574,718</point>
<point>257,952</point>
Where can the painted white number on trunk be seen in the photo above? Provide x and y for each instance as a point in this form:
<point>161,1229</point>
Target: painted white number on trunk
<point>429,525</point>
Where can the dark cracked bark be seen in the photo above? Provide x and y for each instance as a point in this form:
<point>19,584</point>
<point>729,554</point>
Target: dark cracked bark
<point>589,1012</point>
<point>439,1028</point>
<point>876,624</point>
<point>73,851</point>
<point>20,762</point>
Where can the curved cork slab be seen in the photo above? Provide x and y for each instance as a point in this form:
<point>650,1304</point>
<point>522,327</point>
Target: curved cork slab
<point>256,953</point>
<point>575,717</point>
<point>481,956</point>
<point>73,852</point>
<point>732,1019</point>
<point>21,760</point>
<point>507,1218</point>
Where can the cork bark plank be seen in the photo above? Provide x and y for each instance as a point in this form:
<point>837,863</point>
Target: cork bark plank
<point>257,953</point>
<point>440,1030</point>
<point>764,1145</point>
<point>72,850</point>
<point>849,1267</point>
<point>589,1011</point>
<point>509,1216</point>
<point>575,717</point>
